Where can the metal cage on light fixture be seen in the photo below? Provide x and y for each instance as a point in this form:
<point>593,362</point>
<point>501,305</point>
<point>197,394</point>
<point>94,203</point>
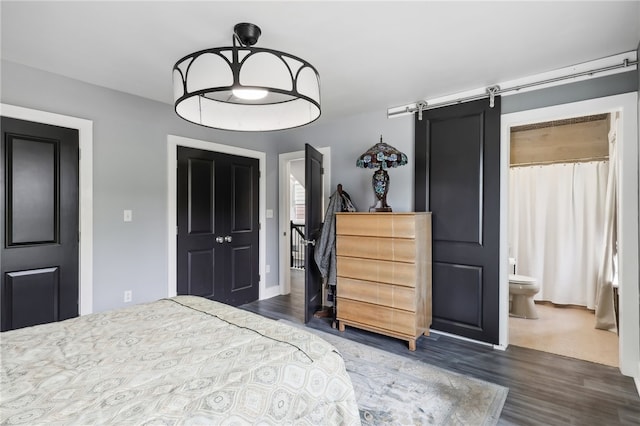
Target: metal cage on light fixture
<point>246,88</point>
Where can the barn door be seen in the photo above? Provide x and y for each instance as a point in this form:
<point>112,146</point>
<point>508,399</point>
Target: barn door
<point>218,227</point>
<point>39,251</point>
<point>457,174</point>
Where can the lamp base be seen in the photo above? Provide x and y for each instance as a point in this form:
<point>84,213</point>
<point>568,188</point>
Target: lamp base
<point>380,209</point>
<point>380,182</point>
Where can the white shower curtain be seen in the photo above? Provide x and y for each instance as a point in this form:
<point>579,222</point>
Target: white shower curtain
<point>556,228</point>
<point>605,311</point>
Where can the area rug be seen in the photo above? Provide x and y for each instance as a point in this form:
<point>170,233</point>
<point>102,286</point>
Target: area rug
<point>392,389</point>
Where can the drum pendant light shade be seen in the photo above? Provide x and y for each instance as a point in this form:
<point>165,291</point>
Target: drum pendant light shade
<point>246,88</point>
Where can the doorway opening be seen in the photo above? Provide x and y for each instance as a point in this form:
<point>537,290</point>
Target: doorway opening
<point>559,191</point>
<point>627,216</point>
<point>297,213</point>
<point>292,219</point>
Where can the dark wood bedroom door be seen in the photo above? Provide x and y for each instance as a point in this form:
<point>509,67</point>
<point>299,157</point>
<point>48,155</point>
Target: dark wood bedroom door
<point>457,176</point>
<point>39,252</point>
<point>312,225</point>
<point>218,226</point>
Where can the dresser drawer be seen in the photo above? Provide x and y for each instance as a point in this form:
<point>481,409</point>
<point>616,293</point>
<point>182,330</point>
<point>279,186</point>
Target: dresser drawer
<point>380,294</point>
<point>398,273</point>
<point>377,316</point>
<point>378,224</point>
<point>395,249</point>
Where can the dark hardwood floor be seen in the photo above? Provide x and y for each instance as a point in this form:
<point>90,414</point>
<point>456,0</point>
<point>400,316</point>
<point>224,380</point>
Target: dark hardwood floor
<point>544,389</point>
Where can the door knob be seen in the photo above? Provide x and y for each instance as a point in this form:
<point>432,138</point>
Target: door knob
<point>219,240</point>
<point>228,238</point>
<point>307,242</point>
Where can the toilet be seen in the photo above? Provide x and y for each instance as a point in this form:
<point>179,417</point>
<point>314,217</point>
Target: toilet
<point>521,291</point>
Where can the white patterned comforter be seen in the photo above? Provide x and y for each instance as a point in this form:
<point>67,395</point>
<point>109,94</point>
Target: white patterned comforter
<point>184,360</point>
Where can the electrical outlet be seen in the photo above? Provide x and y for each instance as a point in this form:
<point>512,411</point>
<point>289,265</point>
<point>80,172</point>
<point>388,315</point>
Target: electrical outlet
<point>128,295</point>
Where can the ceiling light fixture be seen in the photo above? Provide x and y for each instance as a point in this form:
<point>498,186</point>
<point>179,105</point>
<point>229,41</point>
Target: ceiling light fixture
<point>246,88</point>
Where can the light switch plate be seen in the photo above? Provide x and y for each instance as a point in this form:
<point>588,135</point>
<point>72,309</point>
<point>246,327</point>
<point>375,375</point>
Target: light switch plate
<point>128,215</point>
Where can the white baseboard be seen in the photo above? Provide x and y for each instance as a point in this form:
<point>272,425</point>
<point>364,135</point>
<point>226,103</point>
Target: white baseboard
<point>637,379</point>
<point>270,292</point>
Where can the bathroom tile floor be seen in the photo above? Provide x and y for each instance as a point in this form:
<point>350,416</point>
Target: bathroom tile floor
<point>567,331</point>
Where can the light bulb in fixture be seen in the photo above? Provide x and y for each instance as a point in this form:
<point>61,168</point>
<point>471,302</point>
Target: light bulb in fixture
<point>250,94</point>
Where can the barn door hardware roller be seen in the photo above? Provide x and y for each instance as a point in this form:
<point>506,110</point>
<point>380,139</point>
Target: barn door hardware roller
<point>493,91</point>
<point>421,106</point>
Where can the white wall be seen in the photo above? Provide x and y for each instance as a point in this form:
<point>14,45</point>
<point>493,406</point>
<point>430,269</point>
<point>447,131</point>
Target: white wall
<point>351,136</point>
<point>130,172</point>
<point>296,168</point>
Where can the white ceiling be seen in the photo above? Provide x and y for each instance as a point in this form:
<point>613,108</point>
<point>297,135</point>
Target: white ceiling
<point>371,55</point>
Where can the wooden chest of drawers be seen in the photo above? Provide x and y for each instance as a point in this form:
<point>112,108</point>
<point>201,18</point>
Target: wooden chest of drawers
<point>384,273</point>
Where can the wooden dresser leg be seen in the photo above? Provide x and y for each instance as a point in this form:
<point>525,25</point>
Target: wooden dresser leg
<point>340,326</point>
<point>412,344</point>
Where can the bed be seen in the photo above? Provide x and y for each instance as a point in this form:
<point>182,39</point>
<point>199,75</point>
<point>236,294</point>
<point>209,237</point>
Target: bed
<point>181,360</point>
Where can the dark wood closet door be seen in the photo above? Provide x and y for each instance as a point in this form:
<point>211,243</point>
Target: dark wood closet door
<point>242,184</point>
<point>312,224</point>
<point>218,228</point>
<point>457,176</point>
<point>39,254</point>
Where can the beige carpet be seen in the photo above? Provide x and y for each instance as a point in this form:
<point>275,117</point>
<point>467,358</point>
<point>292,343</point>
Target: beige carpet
<point>567,331</point>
